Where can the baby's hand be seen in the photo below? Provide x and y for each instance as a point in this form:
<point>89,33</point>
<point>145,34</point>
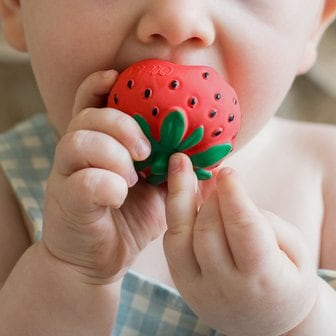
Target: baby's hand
<point>93,221</point>
<point>242,270</point>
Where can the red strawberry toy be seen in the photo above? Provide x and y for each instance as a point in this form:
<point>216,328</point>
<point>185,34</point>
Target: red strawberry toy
<point>188,109</point>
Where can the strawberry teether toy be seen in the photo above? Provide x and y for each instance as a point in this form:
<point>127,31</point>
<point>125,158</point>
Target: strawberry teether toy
<point>188,109</point>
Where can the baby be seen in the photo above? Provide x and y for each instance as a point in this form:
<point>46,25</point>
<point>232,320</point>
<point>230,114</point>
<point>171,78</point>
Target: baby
<point>117,255</point>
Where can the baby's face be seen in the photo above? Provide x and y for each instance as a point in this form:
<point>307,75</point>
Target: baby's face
<point>258,45</point>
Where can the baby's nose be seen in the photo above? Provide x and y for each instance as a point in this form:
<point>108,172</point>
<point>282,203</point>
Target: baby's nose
<point>176,22</point>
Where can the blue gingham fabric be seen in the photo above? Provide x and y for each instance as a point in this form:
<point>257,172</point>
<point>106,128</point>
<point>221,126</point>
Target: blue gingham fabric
<point>147,308</point>
<point>328,276</point>
<point>26,155</point>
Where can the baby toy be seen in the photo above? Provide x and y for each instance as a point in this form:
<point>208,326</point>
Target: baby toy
<point>180,108</point>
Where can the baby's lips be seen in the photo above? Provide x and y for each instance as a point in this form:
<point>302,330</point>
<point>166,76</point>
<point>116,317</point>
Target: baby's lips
<point>190,109</point>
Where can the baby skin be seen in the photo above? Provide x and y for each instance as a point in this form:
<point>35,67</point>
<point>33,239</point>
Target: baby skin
<point>243,249</point>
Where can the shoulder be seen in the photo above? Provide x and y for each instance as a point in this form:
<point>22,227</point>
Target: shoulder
<point>314,142</point>
<point>14,238</point>
<point>308,135</point>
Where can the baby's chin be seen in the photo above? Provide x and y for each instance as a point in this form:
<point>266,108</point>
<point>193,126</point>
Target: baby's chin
<point>60,124</point>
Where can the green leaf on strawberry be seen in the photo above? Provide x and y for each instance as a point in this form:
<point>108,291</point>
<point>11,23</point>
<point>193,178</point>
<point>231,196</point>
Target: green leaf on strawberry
<point>192,140</point>
<point>210,156</point>
<point>156,179</point>
<point>203,174</point>
<point>172,131</point>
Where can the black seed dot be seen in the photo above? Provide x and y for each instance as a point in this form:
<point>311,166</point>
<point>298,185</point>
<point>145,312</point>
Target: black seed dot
<point>235,101</point>
<point>193,101</point>
<point>174,84</point>
<point>155,111</point>
<point>217,132</point>
<point>116,99</point>
<point>206,75</point>
<point>148,93</point>
<point>212,113</point>
<point>231,117</point>
<point>218,96</point>
<point>130,84</point>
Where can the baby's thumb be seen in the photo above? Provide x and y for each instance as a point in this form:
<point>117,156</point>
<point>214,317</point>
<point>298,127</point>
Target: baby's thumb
<point>181,210</point>
<point>93,90</point>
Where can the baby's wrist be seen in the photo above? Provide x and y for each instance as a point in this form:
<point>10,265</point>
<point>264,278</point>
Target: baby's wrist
<point>71,272</point>
<point>44,287</point>
<point>320,320</point>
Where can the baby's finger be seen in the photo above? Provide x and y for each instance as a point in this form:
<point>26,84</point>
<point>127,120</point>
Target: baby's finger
<point>211,247</point>
<point>89,189</point>
<point>251,240</point>
<point>83,149</point>
<point>116,124</point>
<point>181,210</point>
<point>291,241</point>
<point>94,90</point>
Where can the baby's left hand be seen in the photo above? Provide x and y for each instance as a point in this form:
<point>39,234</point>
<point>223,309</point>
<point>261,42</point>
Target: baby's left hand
<point>242,270</point>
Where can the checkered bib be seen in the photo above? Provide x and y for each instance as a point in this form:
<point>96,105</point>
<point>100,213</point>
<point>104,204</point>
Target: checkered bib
<point>147,308</point>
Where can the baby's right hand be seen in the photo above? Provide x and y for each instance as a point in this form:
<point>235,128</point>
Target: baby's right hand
<point>92,221</point>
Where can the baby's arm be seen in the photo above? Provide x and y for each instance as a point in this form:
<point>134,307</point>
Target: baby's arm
<point>40,291</point>
<point>321,320</point>
<point>14,238</point>
<point>69,282</point>
<point>327,152</point>
<point>44,295</point>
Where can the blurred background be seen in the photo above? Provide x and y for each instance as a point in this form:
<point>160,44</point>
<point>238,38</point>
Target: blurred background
<point>312,97</point>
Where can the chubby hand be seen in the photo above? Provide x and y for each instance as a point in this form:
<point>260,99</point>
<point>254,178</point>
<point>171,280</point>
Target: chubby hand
<point>242,270</point>
<point>96,219</point>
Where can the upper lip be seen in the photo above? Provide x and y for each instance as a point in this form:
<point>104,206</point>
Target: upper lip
<point>122,66</point>
<point>177,55</point>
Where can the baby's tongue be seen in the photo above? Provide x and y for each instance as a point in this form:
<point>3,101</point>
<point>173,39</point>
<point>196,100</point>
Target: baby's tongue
<point>189,109</point>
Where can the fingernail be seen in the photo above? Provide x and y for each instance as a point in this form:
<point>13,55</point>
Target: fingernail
<point>226,171</point>
<point>142,148</point>
<point>175,164</point>
<point>133,179</point>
